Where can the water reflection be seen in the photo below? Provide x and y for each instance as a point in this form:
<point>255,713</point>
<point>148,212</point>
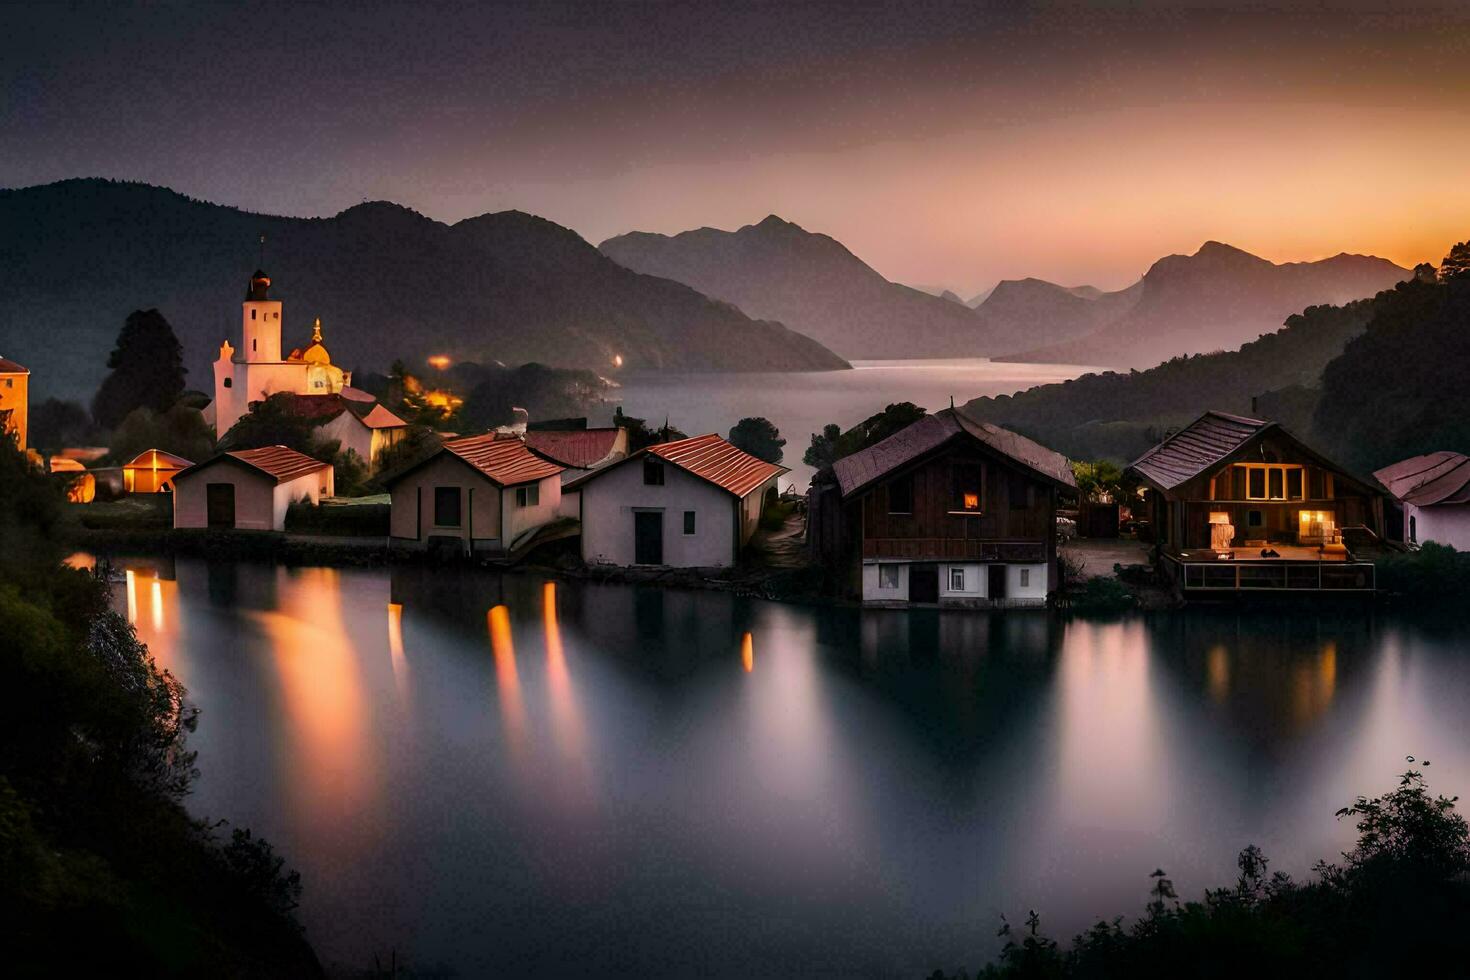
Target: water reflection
<point>870,799</point>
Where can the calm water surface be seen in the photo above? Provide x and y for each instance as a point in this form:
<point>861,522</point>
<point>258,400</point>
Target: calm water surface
<point>515,777</point>
<point>800,404</point>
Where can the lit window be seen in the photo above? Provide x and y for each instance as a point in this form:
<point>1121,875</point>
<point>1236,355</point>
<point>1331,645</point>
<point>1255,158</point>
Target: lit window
<point>1025,577</point>
<point>1273,481</point>
<point>528,496</point>
<point>967,478</point>
<point>887,576</point>
<point>689,522</point>
<point>901,496</point>
<point>446,506</point>
<point>653,473</point>
<point>956,580</point>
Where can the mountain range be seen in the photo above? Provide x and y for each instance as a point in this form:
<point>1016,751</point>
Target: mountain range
<point>780,271</point>
<point>1218,298</point>
<point>387,283</point>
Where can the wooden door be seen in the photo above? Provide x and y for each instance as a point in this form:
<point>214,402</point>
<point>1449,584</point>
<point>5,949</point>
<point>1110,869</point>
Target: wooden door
<point>997,583</point>
<point>923,583</point>
<point>648,537</point>
<point>219,501</point>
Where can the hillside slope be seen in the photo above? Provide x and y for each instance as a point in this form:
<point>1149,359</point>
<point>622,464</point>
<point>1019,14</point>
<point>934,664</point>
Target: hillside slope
<point>1216,299</point>
<point>387,283</point>
<point>811,283</point>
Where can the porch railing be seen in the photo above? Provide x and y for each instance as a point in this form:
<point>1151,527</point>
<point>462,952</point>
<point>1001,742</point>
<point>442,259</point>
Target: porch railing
<point>1286,576</point>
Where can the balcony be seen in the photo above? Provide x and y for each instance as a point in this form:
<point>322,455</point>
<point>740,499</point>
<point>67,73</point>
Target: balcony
<point>1282,575</point>
<point>954,549</point>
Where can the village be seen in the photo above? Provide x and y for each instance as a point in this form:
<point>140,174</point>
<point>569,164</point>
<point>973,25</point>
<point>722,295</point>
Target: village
<point>949,511</point>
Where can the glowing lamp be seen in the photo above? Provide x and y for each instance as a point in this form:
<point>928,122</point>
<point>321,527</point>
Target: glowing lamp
<point>972,501</point>
<point>439,361</point>
<point>617,360</point>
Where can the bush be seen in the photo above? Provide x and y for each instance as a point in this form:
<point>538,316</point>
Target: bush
<point>346,519</point>
<point>1434,571</point>
<point>1395,906</point>
<point>1100,596</point>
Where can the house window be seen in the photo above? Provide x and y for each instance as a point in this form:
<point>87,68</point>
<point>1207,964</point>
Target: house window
<point>1273,481</point>
<point>446,506</point>
<point>10,382</point>
<point>901,496</point>
<point>252,314</point>
<point>229,382</point>
<point>528,496</point>
<point>689,522</point>
<point>275,316</point>
<point>967,478</point>
<point>1413,528</point>
<point>653,473</point>
<point>956,580</point>
<point>252,344</point>
<point>1255,518</point>
<point>1025,577</point>
<point>887,576</point>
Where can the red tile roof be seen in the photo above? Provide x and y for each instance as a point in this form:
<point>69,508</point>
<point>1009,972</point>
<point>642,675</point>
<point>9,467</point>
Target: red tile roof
<point>278,461</point>
<point>505,461</point>
<point>1440,478</point>
<point>327,407</point>
<point>578,448</point>
<point>7,366</point>
<point>711,458</point>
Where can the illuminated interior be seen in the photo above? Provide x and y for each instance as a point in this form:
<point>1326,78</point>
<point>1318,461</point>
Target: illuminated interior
<point>1316,527</point>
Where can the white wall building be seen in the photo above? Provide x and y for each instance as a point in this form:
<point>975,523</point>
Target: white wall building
<point>485,494</point>
<point>1435,492</point>
<point>249,489</point>
<point>693,503</point>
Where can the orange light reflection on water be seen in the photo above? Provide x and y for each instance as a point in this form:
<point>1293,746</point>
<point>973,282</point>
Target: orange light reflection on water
<point>507,682</point>
<point>395,643</point>
<point>747,652</point>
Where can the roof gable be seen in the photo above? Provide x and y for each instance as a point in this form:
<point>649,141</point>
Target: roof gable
<point>1200,446</point>
<point>707,457</point>
<point>862,469</point>
<point>577,448</point>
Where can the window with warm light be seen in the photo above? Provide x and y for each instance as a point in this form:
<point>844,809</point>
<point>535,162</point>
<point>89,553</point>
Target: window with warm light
<point>967,478</point>
<point>1273,481</point>
<point>1316,527</point>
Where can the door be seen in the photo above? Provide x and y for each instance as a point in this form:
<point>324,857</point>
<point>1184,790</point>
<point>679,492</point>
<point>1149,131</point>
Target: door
<point>997,583</point>
<point>219,499</point>
<point>923,583</point>
<point>648,537</point>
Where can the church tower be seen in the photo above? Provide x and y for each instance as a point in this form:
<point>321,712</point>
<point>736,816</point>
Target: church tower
<point>262,321</point>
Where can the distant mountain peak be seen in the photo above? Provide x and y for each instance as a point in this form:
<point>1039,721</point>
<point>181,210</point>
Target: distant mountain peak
<point>774,222</point>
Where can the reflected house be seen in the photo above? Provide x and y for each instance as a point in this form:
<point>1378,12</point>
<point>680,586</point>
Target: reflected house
<point>691,503</point>
<point>248,489</point>
<point>1240,504</point>
<point>948,511</point>
<point>485,494</point>
<point>153,471</point>
<point>1434,490</point>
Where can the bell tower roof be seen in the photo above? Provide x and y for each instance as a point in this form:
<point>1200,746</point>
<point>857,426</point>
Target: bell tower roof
<point>259,288</point>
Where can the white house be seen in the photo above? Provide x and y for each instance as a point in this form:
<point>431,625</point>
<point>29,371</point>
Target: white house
<point>1435,492</point>
<point>355,420</point>
<point>248,489</point>
<point>693,503</point>
<point>487,494</point>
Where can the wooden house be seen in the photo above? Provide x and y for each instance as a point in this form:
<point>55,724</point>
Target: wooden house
<point>949,511</point>
<point>1241,504</point>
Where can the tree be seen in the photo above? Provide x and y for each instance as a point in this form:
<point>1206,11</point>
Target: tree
<point>1099,480</point>
<point>147,369</point>
<point>180,430</point>
<point>640,436</point>
<point>1456,263</point>
<point>56,424</point>
<point>1425,272</point>
<point>272,422</point>
<point>822,453</point>
<point>759,437</point>
<point>831,445</point>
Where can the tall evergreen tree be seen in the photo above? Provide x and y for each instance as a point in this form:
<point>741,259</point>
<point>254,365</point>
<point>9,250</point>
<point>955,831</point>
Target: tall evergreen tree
<point>147,370</point>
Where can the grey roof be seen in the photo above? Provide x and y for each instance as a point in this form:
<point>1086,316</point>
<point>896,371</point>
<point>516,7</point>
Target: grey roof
<point>863,468</point>
<point>1434,479</point>
<point>1199,446</point>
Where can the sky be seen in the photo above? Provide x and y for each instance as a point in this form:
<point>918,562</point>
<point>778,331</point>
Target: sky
<point>945,144</point>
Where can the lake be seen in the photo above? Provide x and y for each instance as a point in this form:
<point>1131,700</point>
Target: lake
<point>800,404</point>
<point>509,776</point>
